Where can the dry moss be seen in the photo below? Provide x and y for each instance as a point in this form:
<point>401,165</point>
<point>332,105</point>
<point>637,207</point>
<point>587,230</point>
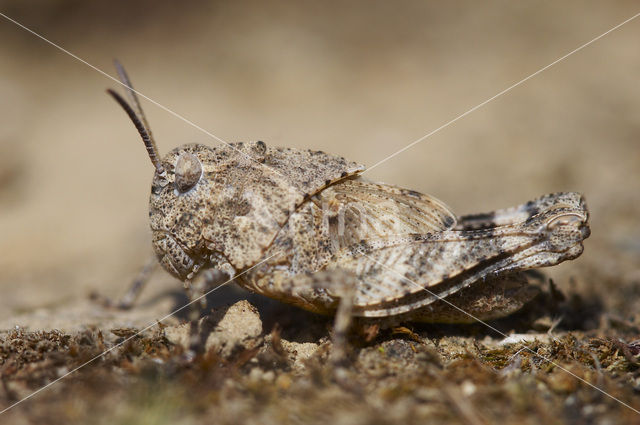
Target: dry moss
<point>406,375</point>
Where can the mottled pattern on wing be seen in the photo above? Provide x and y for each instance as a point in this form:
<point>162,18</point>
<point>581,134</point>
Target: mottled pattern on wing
<point>340,217</point>
<point>357,209</point>
<point>349,212</point>
<point>354,214</point>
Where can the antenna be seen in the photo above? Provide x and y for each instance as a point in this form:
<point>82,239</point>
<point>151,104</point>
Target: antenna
<point>148,142</point>
<point>136,114</point>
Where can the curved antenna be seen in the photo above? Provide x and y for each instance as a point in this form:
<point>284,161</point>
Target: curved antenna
<point>144,133</point>
<point>133,99</point>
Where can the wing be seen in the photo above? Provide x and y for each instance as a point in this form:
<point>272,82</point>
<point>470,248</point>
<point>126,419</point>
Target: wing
<point>355,209</point>
<point>348,212</point>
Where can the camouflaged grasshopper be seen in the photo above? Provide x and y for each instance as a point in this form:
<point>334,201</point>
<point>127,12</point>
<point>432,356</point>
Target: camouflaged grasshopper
<point>305,228</point>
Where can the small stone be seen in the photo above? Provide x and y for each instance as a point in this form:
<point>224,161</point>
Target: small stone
<point>468,388</point>
<point>298,352</point>
<point>238,328</point>
<point>283,382</point>
<point>178,335</point>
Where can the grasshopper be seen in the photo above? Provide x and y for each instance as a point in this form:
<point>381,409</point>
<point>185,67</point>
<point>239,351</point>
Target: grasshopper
<point>306,228</point>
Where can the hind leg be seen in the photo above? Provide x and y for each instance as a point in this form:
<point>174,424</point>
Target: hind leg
<point>483,300</point>
<point>520,213</point>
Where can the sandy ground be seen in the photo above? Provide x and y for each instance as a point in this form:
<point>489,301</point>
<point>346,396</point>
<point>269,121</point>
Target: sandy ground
<point>361,80</point>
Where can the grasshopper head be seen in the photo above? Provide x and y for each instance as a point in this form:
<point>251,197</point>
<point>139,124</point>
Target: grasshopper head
<point>178,207</point>
<point>178,198</point>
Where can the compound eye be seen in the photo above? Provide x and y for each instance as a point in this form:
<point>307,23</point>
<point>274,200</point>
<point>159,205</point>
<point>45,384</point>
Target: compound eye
<point>188,172</point>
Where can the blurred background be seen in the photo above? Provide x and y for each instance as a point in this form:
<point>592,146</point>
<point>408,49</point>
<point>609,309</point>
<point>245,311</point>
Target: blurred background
<point>358,79</point>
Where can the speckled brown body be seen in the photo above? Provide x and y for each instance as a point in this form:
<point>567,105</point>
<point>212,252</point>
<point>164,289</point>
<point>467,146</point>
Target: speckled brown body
<point>303,227</point>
